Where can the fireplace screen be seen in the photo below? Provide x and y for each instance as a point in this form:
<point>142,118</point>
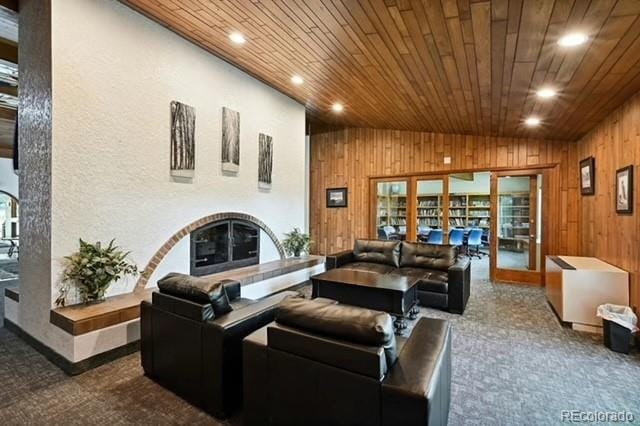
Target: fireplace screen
<point>224,245</point>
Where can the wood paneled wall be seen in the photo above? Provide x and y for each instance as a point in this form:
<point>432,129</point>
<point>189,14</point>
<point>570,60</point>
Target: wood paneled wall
<point>348,157</point>
<point>614,143</point>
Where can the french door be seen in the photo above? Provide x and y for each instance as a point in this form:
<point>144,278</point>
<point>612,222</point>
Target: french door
<point>516,228</point>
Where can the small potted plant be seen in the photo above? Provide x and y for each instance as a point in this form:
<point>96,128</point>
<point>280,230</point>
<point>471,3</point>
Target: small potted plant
<point>296,242</point>
<point>93,269</point>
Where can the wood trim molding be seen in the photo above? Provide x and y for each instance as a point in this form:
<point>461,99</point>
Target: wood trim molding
<point>504,170</point>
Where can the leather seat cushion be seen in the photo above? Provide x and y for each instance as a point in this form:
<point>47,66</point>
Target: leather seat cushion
<point>196,289</point>
<point>430,256</point>
<point>350,323</point>
<point>434,281</point>
<point>368,267</point>
<point>384,252</point>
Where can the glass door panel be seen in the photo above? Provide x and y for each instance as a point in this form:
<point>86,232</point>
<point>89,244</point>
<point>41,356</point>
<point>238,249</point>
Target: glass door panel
<point>391,210</point>
<point>519,234</point>
<point>245,241</point>
<point>429,207</point>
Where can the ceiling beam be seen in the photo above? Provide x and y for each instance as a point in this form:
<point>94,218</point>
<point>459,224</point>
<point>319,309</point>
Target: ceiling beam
<point>8,51</point>
<point>10,4</point>
<point>7,113</point>
<point>8,90</point>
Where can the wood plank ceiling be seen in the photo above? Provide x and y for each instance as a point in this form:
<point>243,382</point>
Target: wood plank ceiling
<point>465,67</point>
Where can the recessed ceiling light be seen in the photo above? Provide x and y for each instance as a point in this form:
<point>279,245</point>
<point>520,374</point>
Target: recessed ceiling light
<point>546,93</point>
<point>532,121</point>
<point>297,80</point>
<point>337,107</point>
<point>572,39</point>
<point>237,38</point>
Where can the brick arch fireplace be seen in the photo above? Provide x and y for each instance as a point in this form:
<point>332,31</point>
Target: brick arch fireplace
<point>157,258</point>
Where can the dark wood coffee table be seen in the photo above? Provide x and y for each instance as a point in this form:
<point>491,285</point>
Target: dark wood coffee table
<point>394,294</point>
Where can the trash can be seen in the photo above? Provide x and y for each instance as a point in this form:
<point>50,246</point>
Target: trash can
<point>618,324</point>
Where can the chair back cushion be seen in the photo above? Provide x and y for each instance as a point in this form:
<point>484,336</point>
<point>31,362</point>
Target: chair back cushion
<point>475,237</point>
<point>428,256</point>
<point>195,289</point>
<point>374,251</point>
<point>345,322</point>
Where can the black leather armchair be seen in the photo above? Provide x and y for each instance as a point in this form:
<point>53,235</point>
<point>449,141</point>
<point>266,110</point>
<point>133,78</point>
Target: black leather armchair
<point>297,373</point>
<point>197,356</point>
<point>444,281</point>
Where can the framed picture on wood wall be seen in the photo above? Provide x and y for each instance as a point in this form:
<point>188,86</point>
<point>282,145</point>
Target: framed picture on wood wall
<point>624,190</point>
<point>588,176</point>
<point>337,197</point>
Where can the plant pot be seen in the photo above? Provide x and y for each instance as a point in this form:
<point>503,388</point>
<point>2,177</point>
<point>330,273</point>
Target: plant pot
<point>93,296</point>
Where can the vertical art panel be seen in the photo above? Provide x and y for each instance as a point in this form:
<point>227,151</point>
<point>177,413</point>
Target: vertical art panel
<point>183,124</point>
<point>265,160</point>
<point>230,140</point>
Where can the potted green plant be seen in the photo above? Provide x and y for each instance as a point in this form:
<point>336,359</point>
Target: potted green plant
<point>92,269</point>
<point>296,242</point>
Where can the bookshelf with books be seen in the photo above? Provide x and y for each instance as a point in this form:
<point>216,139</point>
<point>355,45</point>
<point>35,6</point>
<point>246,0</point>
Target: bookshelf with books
<point>392,210</point>
<point>469,210</point>
<point>513,221</point>
<point>429,210</point>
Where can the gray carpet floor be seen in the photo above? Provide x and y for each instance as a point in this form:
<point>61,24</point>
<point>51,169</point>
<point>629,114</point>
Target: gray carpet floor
<point>512,364</point>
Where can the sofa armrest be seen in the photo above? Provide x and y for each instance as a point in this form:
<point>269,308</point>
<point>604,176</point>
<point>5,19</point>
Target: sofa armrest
<point>252,316</point>
<point>417,389</point>
<point>459,285</point>
<point>232,288</point>
<point>336,260</point>
<point>255,376</point>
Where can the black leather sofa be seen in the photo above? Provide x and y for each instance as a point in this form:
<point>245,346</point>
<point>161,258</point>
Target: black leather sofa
<point>193,353</point>
<point>323,364</point>
<point>444,280</point>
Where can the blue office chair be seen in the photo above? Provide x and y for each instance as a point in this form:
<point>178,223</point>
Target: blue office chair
<point>436,236</point>
<point>474,241</point>
<point>456,238</point>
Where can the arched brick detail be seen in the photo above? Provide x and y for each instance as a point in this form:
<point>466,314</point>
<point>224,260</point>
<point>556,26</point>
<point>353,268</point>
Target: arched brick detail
<point>175,238</point>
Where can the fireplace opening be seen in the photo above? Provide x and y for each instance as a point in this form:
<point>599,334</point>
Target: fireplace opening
<point>224,245</point>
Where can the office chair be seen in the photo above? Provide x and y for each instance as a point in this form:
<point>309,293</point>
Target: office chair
<point>436,236</point>
<point>474,241</point>
<point>456,238</point>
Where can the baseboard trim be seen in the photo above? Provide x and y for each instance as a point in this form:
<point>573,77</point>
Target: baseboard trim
<point>72,368</point>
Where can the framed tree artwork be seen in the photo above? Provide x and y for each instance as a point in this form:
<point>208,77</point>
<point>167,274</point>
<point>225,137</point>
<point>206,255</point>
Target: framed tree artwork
<point>587,176</point>
<point>265,160</point>
<point>230,140</point>
<point>624,190</point>
<point>183,124</point>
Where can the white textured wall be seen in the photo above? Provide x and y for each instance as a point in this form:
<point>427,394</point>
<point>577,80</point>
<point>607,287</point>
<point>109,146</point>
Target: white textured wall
<point>114,74</point>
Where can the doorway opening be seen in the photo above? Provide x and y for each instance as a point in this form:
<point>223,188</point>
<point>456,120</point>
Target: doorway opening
<point>9,237</point>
